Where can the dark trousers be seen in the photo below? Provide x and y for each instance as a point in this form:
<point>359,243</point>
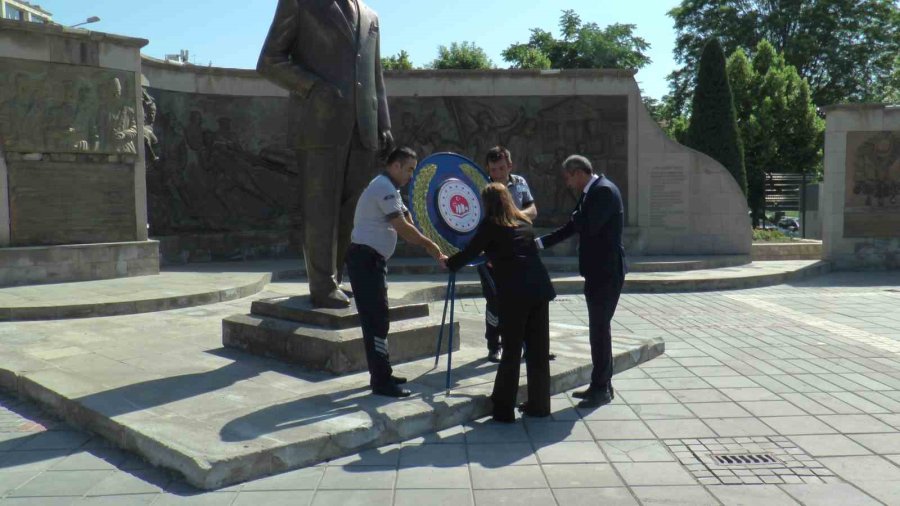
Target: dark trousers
<point>333,178</point>
<point>528,323</point>
<point>368,278</point>
<point>491,314</point>
<point>602,298</point>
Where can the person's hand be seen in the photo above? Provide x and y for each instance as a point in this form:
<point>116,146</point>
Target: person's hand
<point>443,261</point>
<point>435,251</point>
<point>489,264</point>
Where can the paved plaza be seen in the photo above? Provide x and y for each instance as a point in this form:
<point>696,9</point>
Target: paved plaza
<point>806,374</point>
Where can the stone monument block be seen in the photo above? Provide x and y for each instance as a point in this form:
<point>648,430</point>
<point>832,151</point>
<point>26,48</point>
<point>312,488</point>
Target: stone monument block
<point>292,330</point>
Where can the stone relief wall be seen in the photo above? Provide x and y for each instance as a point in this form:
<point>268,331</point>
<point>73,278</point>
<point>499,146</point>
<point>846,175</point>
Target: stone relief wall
<point>223,165</point>
<point>56,108</point>
<point>540,132</point>
<point>872,192</point>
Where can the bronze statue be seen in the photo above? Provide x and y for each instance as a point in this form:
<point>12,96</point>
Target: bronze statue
<point>327,54</point>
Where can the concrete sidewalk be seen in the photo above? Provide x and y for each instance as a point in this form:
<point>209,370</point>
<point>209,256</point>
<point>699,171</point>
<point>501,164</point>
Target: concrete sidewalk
<point>807,372</point>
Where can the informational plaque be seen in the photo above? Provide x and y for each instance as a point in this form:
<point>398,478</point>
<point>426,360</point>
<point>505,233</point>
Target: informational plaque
<point>669,197</point>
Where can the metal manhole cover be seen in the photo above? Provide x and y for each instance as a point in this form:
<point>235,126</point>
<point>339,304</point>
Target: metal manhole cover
<point>749,461</point>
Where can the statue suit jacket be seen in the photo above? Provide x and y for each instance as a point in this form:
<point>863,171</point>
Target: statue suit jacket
<point>598,220</point>
<point>312,45</point>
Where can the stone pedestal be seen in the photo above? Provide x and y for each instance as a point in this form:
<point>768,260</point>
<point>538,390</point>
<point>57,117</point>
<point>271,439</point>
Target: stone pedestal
<point>291,329</point>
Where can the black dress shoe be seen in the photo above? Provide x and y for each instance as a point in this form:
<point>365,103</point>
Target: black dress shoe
<point>391,390</point>
<point>494,356</point>
<point>504,418</point>
<point>551,356</point>
<point>398,380</point>
<point>581,394</point>
<point>595,399</point>
<point>527,411</point>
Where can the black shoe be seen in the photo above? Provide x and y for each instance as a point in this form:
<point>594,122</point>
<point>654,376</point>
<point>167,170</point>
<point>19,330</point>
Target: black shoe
<point>398,380</point>
<point>612,393</point>
<point>527,411</point>
<point>391,390</point>
<point>504,418</point>
<point>551,356</point>
<point>582,394</point>
<point>494,356</point>
<point>596,399</point>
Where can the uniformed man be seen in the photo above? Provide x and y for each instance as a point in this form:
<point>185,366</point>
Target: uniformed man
<point>380,216</point>
<point>500,165</point>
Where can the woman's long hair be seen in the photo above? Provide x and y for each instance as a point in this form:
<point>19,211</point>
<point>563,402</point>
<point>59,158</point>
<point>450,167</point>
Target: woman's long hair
<point>499,207</point>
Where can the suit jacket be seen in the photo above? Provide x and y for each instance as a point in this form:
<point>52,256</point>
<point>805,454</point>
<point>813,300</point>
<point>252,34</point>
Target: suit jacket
<point>598,219</point>
<point>311,47</point>
<point>519,274</point>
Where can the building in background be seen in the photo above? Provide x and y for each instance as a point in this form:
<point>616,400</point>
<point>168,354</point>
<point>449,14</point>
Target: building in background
<point>20,10</point>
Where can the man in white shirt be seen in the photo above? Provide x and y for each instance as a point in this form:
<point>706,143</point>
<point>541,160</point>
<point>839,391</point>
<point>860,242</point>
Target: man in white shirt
<point>380,216</point>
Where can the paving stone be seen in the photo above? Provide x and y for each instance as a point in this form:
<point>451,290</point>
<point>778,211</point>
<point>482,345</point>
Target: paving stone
<point>661,411</point>
<point>358,477</point>
<point>734,427</point>
<point>606,430</point>
<point>446,455</point>
<point>797,425</point>
<point>717,409</point>
<point>838,494</point>
<point>502,454</point>
<point>352,497</point>
<point>593,496</point>
<point>300,479</point>
<point>273,498</point>
<point>61,483</point>
<point>580,452</point>
<point>447,497</point>
<point>581,475</point>
<point>684,495</point>
<point>636,451</point>
<point>653,473</point>
<point>515,477</point>
<point>434,477</point>
<point>535,497</point>
<point>855,424</point>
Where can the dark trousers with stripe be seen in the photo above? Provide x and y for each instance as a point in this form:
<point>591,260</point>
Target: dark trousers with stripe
<point>491,316</point>
<point>368,279</point>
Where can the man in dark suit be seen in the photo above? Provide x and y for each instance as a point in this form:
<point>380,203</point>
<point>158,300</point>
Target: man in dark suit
<point>598,219</point>
<point>327,54</point>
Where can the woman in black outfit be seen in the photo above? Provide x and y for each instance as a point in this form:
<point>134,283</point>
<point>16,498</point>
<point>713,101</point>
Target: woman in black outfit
<point>524,292</point>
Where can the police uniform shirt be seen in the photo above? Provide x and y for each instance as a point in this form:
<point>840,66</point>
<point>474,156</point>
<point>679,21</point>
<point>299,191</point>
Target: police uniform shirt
<point>520,191</point>
<point>379,203</point>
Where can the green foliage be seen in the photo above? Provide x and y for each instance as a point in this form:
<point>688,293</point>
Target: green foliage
<point>399,61</point>
<point>462,55</point>
<point>760,235</point>
<point>713,128</point>
<point>779,127</point>
<point>582,46</point>
<point>845,49</point>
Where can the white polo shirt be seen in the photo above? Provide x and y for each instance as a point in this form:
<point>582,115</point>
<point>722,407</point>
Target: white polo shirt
<point>379,203</point>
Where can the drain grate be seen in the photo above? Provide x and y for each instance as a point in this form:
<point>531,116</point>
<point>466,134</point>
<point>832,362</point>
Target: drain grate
<point>749,461</point>
<point>746,459</point>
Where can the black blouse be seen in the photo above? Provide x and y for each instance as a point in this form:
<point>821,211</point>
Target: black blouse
<point>518,271</point>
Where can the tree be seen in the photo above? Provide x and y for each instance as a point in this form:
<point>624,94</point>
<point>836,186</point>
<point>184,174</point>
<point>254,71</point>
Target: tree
<point>582,46</point>
<point>779,127</point>
<point>463,55</point>
<point>713,128</point>
<point>845,49</point>
<point>399,61</point>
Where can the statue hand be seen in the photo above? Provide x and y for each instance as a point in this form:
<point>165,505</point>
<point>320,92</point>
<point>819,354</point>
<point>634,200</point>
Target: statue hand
<point>386,141</point>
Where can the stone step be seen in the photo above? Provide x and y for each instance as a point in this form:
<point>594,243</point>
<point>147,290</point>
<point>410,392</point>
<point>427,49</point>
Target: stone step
<point>338,351</point>
<point>800,249</point>
<point>300,309</point>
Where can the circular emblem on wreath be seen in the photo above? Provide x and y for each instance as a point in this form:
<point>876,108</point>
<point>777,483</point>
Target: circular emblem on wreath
<point>459,206</point>
<point>445,193</point>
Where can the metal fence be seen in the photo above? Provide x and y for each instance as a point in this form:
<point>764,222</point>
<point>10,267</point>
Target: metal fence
<point>786,192</point>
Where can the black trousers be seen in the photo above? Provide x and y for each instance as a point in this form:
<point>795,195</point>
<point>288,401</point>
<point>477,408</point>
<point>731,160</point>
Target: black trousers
<point>602,298</point>
<point>368,278</point>
<point>491,314</point>
<point>333,179</point>
<point>528,323</point>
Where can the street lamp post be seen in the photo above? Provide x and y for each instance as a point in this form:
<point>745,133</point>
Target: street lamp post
<point>92,19</point>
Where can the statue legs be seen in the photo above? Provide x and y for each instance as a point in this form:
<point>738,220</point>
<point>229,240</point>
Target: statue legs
<point>333,178</point>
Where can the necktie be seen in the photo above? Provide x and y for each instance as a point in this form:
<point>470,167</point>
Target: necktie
<point>580,200</point>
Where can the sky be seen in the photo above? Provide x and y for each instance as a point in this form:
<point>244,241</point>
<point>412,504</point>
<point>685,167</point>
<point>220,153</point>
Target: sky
<point>229,33</point>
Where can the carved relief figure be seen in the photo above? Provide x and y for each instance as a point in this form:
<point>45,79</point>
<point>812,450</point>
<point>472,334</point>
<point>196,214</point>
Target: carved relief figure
<point>877,169</point>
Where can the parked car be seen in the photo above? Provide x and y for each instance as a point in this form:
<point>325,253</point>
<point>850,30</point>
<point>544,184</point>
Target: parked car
<point>790,224</point>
